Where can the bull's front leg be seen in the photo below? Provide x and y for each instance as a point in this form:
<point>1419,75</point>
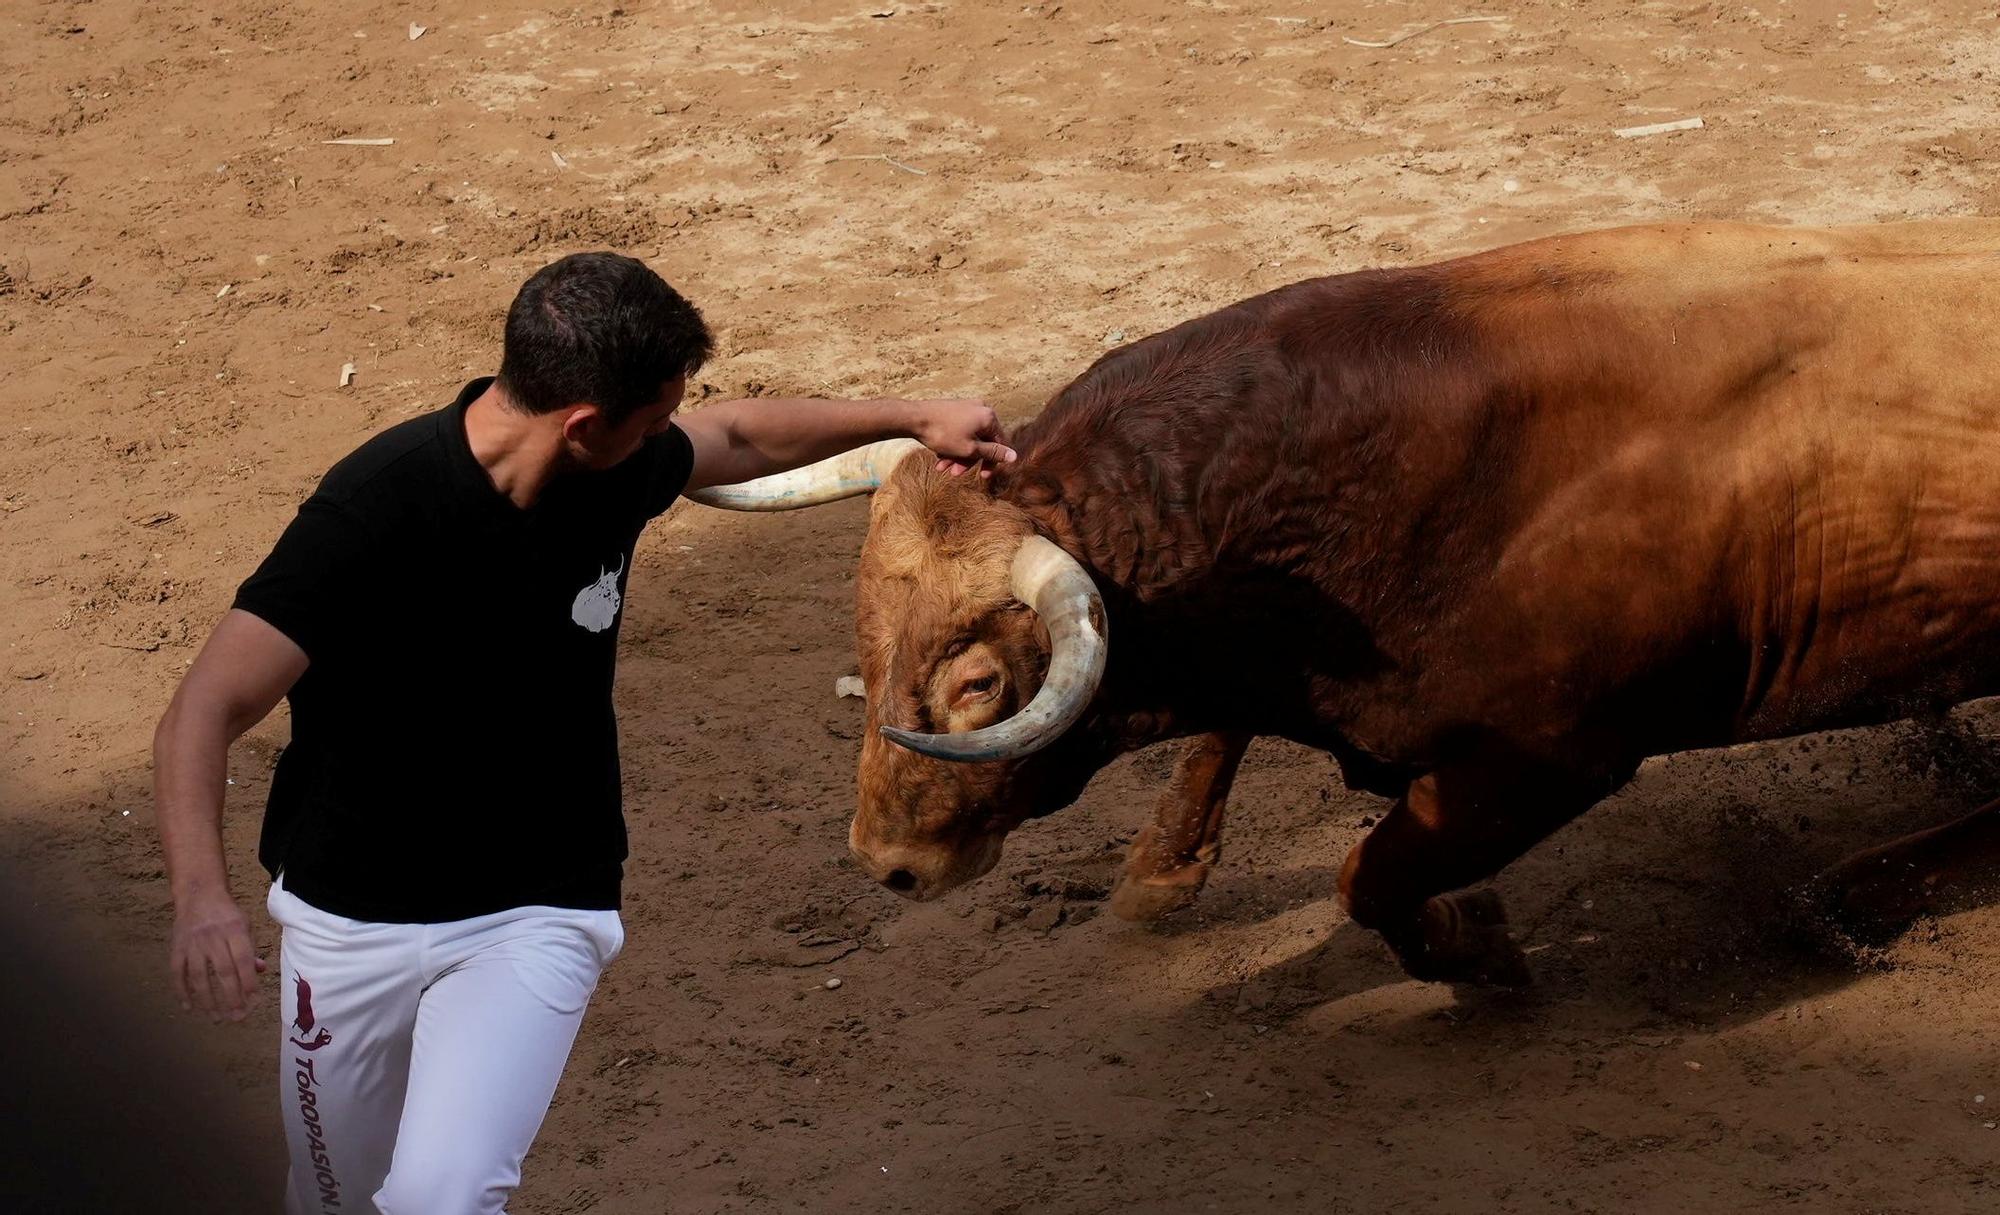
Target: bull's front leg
<point>1171,859</point>
<point>1455,827</point>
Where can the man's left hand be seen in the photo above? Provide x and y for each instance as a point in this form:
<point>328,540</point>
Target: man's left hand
<point>966,435</point>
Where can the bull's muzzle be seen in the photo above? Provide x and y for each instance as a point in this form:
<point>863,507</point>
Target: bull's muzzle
<point>896,872</point>
<point>924,873</point>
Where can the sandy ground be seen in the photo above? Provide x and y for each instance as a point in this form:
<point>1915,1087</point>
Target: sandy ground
<point>878,196</point>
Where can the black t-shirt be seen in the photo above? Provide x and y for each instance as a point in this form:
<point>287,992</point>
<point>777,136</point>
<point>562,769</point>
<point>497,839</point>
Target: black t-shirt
<point>454,750</point>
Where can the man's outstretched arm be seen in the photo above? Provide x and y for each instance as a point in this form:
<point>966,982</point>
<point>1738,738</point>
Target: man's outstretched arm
<point>737,441</point>
<point>240,675</point>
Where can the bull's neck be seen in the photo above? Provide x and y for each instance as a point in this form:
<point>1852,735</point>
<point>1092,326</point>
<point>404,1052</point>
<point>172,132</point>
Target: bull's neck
<point>1266,558</point>
<point>1213,625</point>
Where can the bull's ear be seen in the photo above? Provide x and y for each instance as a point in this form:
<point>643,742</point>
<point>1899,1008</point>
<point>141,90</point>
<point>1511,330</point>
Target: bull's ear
<point>847,475</point>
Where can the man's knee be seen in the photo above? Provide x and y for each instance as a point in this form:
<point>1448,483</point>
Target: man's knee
<point>443,1186</point>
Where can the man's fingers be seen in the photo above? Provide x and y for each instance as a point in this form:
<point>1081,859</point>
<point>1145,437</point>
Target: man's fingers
<point>194,980</point>
<point>996,453</point>
<point>177,975</point>
<point>222,980</point>
<point>247,965</point>
<point>229,989</point>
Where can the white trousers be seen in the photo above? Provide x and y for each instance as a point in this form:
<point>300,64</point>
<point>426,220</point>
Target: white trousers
<point>418,1060</point>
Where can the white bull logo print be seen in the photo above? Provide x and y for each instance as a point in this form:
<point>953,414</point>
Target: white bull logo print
<point>596,606</point>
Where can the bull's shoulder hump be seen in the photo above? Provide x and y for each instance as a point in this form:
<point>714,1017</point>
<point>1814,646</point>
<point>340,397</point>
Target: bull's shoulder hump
<point>1663,255</point>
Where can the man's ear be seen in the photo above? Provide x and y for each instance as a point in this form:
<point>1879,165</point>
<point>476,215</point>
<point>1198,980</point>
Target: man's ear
<point>581,423</point>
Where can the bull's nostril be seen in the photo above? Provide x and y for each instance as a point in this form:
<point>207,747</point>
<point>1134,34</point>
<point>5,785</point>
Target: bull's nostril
<point>902,881</point>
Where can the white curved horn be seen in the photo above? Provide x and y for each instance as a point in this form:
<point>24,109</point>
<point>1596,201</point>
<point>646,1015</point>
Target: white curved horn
<point>846,475</point>
<point>1056,585</point>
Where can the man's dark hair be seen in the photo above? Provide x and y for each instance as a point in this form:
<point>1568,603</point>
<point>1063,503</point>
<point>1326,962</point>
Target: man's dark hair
<point>599,328</point>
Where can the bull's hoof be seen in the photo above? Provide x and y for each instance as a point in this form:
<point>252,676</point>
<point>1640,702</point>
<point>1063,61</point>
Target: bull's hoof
<point>1158,879</point>
<point>1152,896</point>
<point>1464,939</point>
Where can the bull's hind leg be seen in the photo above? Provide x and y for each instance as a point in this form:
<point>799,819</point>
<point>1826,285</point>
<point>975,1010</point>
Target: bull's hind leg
<point>1170,860</point>
<point>1874,895</point>
<point>1458,826</point>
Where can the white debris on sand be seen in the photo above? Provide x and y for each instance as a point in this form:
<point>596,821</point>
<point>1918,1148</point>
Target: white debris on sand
<point>1658,128</point>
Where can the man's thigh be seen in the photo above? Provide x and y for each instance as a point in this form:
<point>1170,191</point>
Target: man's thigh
<point>348,1004</point>
<point>492,1036</point>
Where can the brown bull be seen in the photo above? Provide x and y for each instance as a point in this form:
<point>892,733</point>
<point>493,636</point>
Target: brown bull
<point>1491,532</point>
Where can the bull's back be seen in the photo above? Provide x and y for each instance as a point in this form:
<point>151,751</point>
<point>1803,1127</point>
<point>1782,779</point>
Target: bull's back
<point>1760,483</point>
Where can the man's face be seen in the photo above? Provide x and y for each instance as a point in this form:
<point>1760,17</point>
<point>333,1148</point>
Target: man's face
<point>595,443</point>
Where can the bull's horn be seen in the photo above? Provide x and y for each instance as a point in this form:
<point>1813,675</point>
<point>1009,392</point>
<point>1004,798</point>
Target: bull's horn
<point>1053,583</point>
<point>846,475</point>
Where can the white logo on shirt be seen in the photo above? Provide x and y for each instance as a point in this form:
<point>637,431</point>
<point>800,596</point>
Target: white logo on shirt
<point>596,605</point>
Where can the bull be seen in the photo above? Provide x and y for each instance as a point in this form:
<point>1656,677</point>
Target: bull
<point>1490,532</point>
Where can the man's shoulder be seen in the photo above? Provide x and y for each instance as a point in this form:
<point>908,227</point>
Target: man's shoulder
<point>406,455</point>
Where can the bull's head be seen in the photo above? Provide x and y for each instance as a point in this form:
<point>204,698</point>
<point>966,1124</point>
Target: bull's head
<point>981,644</point>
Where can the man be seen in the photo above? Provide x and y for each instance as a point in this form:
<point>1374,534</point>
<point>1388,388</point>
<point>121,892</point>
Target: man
<point>445,831</point>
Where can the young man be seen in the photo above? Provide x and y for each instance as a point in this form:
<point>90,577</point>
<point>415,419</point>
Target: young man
<point>445,831</point>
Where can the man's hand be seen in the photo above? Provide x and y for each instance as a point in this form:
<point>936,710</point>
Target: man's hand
<point>965,434</point>
<point>737,441</point>
<point>214,966</point>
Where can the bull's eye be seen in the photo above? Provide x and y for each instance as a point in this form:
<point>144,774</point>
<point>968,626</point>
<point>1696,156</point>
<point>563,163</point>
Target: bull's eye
<point>978,688</point>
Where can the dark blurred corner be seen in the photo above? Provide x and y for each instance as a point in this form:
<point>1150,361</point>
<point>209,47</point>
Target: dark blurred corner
<point>110,1099</point>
